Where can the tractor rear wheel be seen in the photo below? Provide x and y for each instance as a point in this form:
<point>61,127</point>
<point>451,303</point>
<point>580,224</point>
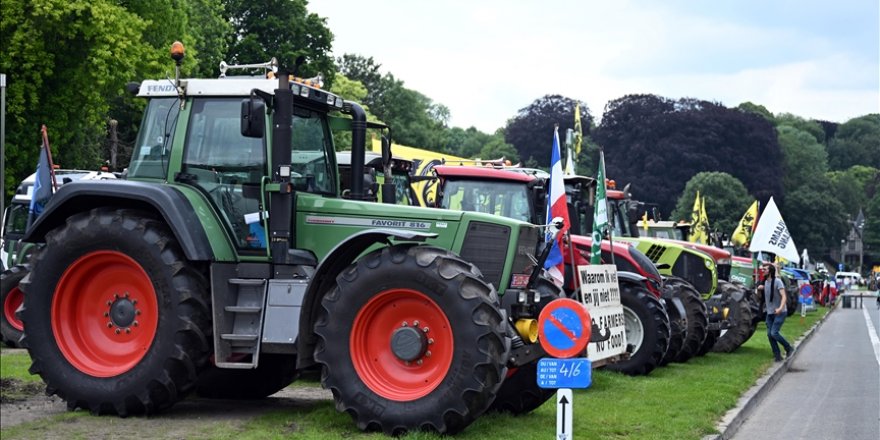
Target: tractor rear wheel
<point>274,373</point>
<point>677,329</point>
<point>11,297</point>
<point>697,319</point>
<point>647,329</point>
<point>741,313</point>
<point>412,338</point>
<point>116,319</point>
<point>520,393</point>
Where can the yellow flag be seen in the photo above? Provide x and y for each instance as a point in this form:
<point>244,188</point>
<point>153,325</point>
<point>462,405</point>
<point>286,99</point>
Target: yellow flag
<point>645,222</point>
<point>696,235</point>
<point>742,235</point>
<point>578,131</point>
<point>704,221</point>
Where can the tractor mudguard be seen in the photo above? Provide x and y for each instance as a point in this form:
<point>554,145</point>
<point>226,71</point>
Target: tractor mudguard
<point>630,276</point>
<point>325,275</point>
<point>165,200</point>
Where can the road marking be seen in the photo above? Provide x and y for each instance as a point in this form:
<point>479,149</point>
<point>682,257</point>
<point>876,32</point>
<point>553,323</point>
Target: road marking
<point>872,333</point>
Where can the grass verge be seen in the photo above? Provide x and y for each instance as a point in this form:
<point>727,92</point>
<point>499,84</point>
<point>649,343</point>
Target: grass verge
<point>680,401</point>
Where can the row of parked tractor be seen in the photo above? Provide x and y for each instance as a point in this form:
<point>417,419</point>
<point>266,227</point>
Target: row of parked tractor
<point>239,252</point>
<point>680,299</point>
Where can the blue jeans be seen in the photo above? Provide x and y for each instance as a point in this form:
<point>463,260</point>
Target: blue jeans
<point>774,323</point>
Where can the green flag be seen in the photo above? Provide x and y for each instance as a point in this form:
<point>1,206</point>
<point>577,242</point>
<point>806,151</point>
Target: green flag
<point>600,213</point>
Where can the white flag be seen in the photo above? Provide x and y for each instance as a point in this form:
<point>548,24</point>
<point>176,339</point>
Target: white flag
<point>773,236</point>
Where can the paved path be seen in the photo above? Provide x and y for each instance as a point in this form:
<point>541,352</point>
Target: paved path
<point>832,387</point>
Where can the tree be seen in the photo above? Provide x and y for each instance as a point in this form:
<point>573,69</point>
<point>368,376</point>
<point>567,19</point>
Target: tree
<point>872,225</point>
<point>854,187</point>
<point>531,130</point>
<point>65,60</point>
<point>815,217</point>
<point>726,200</point>
<point>211,33</point>
<point>757,109</point>
<point>496,148</point>
<point>855,143</point>
<point>283,29</point>
<point>814,128</point>
<point>658,144</point>
<point>803,157</point>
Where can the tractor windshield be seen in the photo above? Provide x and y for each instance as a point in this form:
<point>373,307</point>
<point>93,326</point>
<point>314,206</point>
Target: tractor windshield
<point>508,199</point>
<point>153,146</point>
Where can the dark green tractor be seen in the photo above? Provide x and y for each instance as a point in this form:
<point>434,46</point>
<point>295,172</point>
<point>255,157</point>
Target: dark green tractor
<point>229,261</point>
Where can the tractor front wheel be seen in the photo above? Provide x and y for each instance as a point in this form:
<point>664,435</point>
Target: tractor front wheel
<point>697,319</point>
<point>11,297</point>
<point>412,338</point>
<point>116,319</point>
<point>741,313</point>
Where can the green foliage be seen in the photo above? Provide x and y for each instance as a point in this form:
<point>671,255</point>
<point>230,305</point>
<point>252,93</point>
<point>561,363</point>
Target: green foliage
<point>210,32</point>
<point>812,127</point>
<point>815,216</point>
<point>856,143</point>
<point>854,187</point>
<point>804,159</point>
<point>531,130</point>
<point>496,148</point>
<point>726,200</point>
<point>757,109</point>
<point>872,226</point>
<point>283,29</point>
<point>64,60</point>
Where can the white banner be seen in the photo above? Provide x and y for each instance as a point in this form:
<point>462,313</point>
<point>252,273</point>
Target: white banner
<point>601,294</point>
<point>773,236</point>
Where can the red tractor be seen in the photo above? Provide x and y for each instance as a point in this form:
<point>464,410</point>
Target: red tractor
<point>656,315</point>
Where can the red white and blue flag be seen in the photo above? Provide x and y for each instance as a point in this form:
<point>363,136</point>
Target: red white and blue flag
<point>556,207</point>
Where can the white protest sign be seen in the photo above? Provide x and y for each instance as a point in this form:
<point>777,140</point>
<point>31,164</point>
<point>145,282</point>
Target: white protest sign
<point>601,294</point>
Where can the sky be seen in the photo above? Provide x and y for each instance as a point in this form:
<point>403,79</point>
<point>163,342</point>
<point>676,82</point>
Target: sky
<point>486,60</point>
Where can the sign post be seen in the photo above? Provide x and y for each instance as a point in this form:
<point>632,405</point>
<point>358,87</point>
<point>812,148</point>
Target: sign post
<point>564,328</point>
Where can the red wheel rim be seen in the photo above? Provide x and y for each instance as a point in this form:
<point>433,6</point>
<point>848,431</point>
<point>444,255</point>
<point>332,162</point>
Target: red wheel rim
<point>13,300</point>
<point>104,313</point>
<point>370,345</point>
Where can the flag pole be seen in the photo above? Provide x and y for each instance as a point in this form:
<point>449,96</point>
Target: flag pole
<point>49,154</point>
<point>610,233</point>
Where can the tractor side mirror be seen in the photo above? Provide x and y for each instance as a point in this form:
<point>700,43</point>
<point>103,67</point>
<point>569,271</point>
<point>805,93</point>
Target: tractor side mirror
<point>253,115</point>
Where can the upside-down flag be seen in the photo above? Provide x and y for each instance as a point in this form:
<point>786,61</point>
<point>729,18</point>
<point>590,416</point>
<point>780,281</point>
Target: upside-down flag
<point>556,207</point>
<point>600,213</point>
<point>742,235</point>
<point>578,131</point>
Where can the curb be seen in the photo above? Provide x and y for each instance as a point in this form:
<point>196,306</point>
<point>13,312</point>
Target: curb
<point>746,404</point>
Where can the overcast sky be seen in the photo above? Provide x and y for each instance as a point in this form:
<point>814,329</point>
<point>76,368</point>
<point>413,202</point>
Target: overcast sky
<point>485,60</point>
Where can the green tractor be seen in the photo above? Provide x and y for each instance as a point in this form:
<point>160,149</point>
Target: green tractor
<point>229,261</point>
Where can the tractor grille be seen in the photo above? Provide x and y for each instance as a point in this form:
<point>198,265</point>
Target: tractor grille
<point>485,245</point>
<point>723,271</point>
<point>655,252</point>
<point>526,250</point>
<point>693,269</point>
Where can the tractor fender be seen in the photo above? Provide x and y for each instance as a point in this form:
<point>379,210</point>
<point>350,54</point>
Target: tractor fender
<point>163,200</point>
<point>631,276</point>
<point>340,257</point>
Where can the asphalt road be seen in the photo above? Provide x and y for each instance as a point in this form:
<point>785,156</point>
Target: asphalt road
<point>832,387</point>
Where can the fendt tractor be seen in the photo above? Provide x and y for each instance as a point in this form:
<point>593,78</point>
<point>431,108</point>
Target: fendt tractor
<point>650,308</point>
<point>16,254</point>
<point>229,261</point>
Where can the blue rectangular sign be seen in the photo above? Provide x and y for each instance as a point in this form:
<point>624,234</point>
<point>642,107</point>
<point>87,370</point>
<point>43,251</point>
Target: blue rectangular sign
<point>564,373</point>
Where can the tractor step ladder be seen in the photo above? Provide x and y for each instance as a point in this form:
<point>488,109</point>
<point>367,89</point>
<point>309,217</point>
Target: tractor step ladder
<point>239,324</point>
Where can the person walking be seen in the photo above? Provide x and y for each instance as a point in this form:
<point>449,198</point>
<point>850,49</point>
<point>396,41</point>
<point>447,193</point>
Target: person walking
<point>774,300</point>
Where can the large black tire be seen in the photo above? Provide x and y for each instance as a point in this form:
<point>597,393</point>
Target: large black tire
<point>677,329</point>
<point>375,359</point>
<point>11,298</point>
<point>697,317</point>
<point>647,329</point>
<point>116,319</point>
<point>711,337</point>
<point>275,371</point>
<point>741,314</point>
<point>520,393</point>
